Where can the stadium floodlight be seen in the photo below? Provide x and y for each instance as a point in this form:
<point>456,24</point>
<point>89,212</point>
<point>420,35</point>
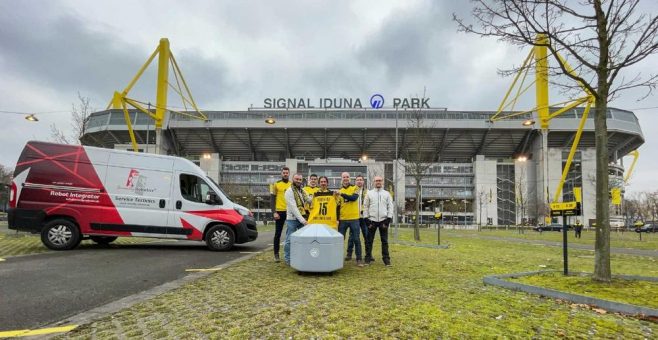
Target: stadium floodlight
<point>528,122</point>
<point>270,120</point>
<point>522,158</point>
<point>32,118</point>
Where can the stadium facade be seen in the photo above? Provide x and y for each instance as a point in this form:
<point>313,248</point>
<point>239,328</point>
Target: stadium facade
<point>479,172</point>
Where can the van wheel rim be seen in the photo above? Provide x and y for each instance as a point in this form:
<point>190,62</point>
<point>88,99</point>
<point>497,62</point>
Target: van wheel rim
<point>220,238</point>
<point>60,235</point>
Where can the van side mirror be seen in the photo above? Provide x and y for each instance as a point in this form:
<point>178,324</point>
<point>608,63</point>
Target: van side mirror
<point>211,197</point>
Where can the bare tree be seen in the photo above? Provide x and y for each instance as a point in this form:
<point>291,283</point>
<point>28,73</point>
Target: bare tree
<point>631,209</point>
<point>240,193</point>
<point>522,195</point>
<point>418,155</point>
<point>649,204</point>
<point>600,40</point>
<point>482,197</point>
<point>79,119</point>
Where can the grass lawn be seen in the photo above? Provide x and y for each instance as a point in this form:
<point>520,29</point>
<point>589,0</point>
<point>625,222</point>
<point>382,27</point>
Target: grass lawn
<point>617,239</point>
<point>428,293</point>
<point>641,293</point>
<point>627,239</point>
<point>12,243</point>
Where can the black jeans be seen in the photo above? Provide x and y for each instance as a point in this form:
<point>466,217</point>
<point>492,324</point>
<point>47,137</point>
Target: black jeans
<point>364,232</point>
<point>278,229</point>
<point>383,235</point>
<point>578,231</point>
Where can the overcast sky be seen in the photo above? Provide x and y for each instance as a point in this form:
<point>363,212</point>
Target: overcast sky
<point>234,54</point>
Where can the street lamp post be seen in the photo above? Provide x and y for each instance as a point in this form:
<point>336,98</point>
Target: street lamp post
<point>258,199</point>
<point>395,180</point>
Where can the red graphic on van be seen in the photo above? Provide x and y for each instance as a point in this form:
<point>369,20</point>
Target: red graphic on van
<point>132,176</point>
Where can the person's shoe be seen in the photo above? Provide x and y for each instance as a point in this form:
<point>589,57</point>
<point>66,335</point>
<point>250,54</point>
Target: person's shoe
<point>348,258</point>
<point>276,258</point>
<point>387,263</point>
<point>359,263</point>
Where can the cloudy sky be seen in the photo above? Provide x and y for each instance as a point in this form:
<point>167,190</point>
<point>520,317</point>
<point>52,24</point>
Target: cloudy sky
<point>236,53</point>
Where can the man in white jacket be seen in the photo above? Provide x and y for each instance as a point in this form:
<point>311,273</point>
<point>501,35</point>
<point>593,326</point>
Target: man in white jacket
<point>379,213</point>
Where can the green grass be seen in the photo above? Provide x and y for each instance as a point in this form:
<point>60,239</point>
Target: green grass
<point>641,293</point>
<point>617,240</point>
<point>12,243</point>
<point>428,293</point>
<point>627,239</point>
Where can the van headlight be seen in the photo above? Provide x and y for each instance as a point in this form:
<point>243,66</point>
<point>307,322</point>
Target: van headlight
<point>244,212</point>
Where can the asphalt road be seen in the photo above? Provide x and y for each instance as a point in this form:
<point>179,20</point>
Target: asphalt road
<point>39,289</point>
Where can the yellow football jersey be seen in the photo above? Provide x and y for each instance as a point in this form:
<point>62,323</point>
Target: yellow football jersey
<point>278,189</point>
<point>323,210</point>
<point>311,190</point>
<point>349,210</point>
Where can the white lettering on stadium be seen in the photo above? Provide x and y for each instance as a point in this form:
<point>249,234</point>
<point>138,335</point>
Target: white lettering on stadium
<point>339,103</point>
<point>305,103</point>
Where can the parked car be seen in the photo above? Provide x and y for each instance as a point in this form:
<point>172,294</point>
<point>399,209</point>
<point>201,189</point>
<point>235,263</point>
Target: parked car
<point>550,227</point>
<point>647,228</point>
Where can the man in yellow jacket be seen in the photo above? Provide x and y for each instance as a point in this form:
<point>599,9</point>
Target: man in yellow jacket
<point>350,212</point>
<point>359,181</point>
<point>311,189</point>
<point>279,209</point>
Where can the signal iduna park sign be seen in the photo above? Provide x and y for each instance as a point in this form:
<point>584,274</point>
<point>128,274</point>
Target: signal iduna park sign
<point>376,101</point>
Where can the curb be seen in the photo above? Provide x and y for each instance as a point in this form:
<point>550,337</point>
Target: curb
<point>617,307</point>
<point>128,301</point>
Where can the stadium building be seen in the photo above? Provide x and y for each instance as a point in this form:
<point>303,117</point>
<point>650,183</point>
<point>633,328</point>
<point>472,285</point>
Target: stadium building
<point>478,172</point>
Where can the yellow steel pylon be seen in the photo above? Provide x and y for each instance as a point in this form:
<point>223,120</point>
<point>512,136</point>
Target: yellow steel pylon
<point>166,59</point>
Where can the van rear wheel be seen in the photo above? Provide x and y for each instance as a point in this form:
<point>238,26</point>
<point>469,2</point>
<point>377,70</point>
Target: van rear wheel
<point>103,239</point>
<point>220,238</point>
<point>60,234</point>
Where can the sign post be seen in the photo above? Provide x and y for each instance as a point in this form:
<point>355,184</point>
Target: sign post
<point>437,216</point>
<point>565,209</point>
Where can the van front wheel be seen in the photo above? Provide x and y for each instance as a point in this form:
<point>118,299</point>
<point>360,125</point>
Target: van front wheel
<point>60,234</point>
<point>220,238</point>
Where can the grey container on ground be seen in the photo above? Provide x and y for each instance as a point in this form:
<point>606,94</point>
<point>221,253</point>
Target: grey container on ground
<point>316,248</point>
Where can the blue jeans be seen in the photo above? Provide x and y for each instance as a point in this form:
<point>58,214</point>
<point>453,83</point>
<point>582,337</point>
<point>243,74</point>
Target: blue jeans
<point>364,232</point>
<point>354,227</point>
<point>291,227</point>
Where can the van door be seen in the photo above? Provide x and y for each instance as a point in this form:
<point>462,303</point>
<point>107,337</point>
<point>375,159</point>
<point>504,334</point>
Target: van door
<point>141,195</point>
<point>191,212</point>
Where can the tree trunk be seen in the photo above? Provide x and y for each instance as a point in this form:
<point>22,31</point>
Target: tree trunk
<point>417,213</point>
<point>602,245</point>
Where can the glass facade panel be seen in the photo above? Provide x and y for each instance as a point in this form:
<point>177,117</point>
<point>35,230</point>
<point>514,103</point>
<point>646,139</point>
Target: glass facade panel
<point>505,187</point>
<point>574,176</point>
<point>117,118</point>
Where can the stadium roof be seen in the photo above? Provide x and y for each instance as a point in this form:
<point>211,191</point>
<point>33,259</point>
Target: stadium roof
<point>456,136</point>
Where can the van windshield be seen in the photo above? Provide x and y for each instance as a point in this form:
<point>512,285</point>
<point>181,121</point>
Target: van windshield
<point>220,189</point>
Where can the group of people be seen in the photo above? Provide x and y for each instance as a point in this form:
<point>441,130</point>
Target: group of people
<point>352,207</point>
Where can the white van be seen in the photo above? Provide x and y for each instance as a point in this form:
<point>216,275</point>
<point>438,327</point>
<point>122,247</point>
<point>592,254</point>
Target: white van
<point>70,192</point>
